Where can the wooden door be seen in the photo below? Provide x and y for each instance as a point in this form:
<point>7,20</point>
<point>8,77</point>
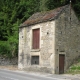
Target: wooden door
<point>36,38</point>
<point>61,63</point>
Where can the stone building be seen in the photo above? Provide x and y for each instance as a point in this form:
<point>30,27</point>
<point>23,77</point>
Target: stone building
<point>49,41</point>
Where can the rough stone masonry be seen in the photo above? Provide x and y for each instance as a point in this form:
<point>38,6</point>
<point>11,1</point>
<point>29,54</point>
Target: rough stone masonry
<point>59,43</point>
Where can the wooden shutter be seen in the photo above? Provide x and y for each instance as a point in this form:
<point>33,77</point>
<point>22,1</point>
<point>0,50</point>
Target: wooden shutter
<point>36,38</point>
<point>61,63</point>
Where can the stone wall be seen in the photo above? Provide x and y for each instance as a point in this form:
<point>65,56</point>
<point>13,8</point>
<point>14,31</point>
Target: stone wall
<point>46,52</point>
<point>67,37</point>
<point>7,61</point>
<point>48,39</point>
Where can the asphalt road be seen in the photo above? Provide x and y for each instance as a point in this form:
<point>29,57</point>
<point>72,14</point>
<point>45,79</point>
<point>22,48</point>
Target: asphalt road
<point>18,75</point>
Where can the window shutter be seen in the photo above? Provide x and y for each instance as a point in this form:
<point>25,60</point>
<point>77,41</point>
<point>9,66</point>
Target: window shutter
<point>36,38</point>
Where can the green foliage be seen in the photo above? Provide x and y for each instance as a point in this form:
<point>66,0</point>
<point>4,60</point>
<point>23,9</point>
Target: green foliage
<point>43,5</point>
<point>77,9</point>
<point>12,14</point>
<point>73,68</point>
<point>5,49</point>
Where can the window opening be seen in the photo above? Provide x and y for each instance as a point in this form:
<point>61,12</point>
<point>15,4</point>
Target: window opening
<point>35,60</point>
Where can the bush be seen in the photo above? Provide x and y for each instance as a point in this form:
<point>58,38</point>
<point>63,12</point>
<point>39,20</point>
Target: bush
<point>73,68</point>
<point>7,49</point>
<point>4,48</point>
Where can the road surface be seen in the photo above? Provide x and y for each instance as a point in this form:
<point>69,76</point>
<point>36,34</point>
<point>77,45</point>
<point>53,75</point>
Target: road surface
<point>20,75</point>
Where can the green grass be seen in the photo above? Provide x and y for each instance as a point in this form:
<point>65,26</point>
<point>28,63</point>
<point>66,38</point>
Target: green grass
<point>75,68</point>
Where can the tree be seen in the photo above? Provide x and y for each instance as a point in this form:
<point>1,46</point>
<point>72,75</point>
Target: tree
<point>43,5</point>
<point>12,14</point>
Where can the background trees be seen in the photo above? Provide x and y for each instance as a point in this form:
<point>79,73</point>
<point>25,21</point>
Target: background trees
<point>14,12</point>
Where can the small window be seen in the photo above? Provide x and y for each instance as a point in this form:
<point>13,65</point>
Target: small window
<point>36,38</point>
<point>35,60</point>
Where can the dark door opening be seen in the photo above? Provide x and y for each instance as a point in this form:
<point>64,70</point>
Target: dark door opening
<point>61,63</point>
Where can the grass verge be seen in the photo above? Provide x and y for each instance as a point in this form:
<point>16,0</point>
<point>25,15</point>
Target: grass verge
<point>75,68</point>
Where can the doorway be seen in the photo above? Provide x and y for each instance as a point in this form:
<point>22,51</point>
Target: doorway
<point>61,63</point>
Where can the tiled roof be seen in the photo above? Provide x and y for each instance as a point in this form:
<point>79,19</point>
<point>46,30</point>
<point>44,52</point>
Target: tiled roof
<point>40,17</point>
